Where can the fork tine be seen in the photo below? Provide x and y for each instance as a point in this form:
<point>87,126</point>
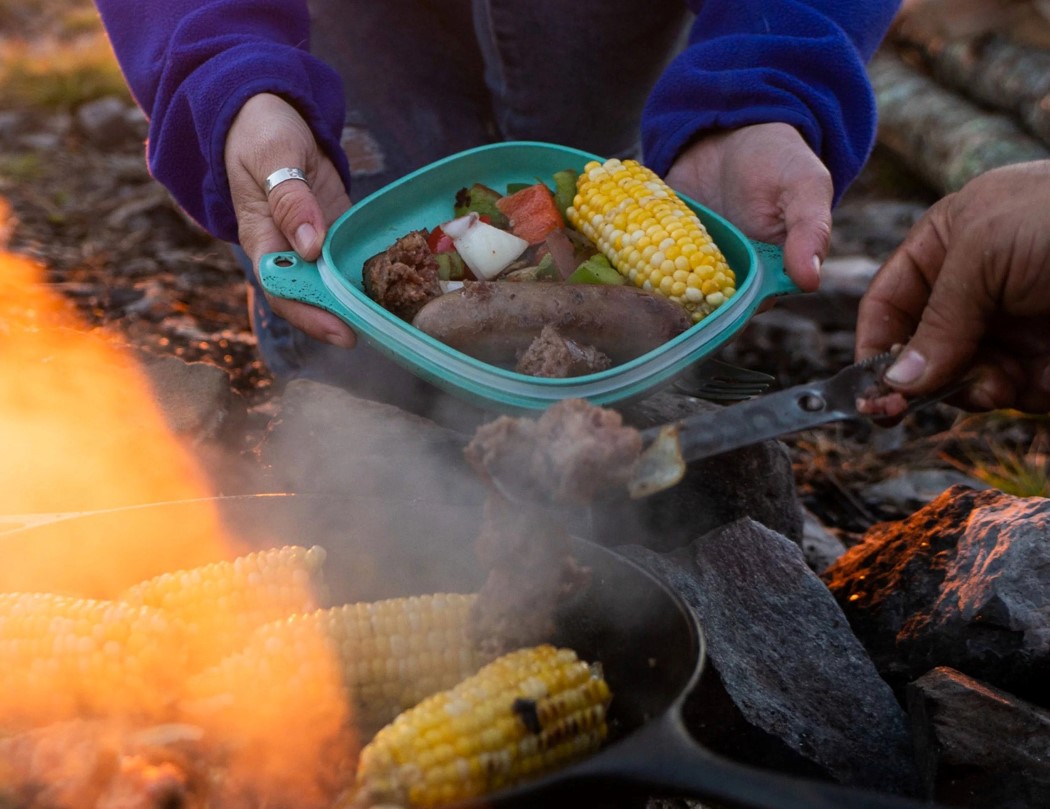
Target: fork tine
<point>720,369</point>
<point>721,381</point>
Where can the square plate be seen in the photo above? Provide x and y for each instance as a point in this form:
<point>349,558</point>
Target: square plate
<point>424,199</point>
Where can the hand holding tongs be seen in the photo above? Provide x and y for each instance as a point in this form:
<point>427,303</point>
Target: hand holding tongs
<point>670,447</point>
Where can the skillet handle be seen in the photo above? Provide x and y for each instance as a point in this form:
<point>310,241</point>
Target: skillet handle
<point>774,278</point>
<point>662,757</point>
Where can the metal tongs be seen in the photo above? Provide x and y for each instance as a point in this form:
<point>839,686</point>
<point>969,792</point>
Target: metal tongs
<point>670,447</point>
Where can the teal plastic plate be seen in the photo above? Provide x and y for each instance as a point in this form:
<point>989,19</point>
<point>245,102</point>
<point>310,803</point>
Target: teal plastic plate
<point>424,199</point>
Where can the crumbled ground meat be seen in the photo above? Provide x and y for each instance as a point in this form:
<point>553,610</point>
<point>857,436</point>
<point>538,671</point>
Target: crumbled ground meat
<point>404,277</point>
<point>531,572</point>
<point>555,357</point>
<point>571,453</point>
<point>565,458</point>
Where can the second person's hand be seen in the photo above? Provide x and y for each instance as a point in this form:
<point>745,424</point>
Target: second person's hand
<point>968,293</point>
<point>268,134</point>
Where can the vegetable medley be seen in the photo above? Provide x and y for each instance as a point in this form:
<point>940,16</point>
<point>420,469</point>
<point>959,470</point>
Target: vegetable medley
<point>635,227</point>
<point>625,266</point>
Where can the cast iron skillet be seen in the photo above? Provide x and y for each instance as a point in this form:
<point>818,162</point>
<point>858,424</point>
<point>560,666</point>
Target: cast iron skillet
<point>647,640</point>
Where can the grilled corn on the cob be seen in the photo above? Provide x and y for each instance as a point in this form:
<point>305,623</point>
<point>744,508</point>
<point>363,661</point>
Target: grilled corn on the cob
<point>523,715</point>
<point>63,657</point>
<point>389,654</point>
<point>650,235</point>
<point>222,603</point>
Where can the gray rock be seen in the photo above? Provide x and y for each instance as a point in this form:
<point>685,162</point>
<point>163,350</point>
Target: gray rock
<point>848,275</point>
<point>977,745</point>
<point>915,488</point>
<point>820,547</point>
<point>12,123</point>
<point>755,482</point>
<point>323,439</point>
<point>964,582</point>
<point>196,398</point>
<point>105,121</point>
<point>873,227</point>
<point>843,281</point>
<point>786,657</point>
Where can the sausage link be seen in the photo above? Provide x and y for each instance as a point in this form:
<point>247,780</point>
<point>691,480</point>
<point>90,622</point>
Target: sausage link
<point>495,321</point>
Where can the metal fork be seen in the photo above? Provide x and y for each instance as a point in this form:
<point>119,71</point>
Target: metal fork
<point>719,381</point>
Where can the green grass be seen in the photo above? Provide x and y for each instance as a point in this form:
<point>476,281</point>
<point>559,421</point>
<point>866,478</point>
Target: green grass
<point>58,75</point>
<point>1020,470</point>
<point>22,168</point>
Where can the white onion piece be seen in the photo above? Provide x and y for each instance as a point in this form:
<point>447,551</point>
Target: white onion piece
<point>486,249</point>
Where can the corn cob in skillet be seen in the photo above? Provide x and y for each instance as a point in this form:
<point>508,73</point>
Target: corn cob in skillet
<point>388,654</point>
<point>650,235</point>
<point>63,657</point>
<point>525,714</point>
<point>220,604</point>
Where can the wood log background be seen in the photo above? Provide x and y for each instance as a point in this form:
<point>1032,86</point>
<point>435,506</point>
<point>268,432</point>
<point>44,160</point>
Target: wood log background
<point>963,86</point>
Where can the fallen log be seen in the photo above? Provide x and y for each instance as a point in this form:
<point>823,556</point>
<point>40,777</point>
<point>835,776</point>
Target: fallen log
<point>994,68</point>
<point>945,139</point>
<point>1023,21</point>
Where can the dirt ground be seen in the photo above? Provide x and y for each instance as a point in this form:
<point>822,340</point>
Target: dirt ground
<point>82,203</point>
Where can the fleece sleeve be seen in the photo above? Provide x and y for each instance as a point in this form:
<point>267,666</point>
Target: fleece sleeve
<point>191,65</point>
<point>800,62</point>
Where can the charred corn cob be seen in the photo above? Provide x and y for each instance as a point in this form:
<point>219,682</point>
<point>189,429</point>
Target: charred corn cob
<point>523,715</point>
<point>650,235</point>
<point>389,654</point>
<point>220,604</point>
<point>63,657</point>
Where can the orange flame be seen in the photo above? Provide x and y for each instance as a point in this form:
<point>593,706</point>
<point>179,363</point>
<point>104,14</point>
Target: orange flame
<point>80,431</point>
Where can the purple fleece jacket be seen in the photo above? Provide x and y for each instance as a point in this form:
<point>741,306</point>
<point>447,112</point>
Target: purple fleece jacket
<point>191,64</point>
<point>759,61</point>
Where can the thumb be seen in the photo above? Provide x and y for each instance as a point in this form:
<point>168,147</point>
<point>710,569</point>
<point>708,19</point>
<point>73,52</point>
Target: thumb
<point>808,225</point>
<point>806,195</point>
<point>298,216</point>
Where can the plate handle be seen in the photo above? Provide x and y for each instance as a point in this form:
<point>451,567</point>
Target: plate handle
<point>289,275</point>
<point>775,280</point>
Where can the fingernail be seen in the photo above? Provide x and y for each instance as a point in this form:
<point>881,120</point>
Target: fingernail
<point>341,339</point>
<point>817,264</point>
<point>305,236</point>
<point>908,368</point>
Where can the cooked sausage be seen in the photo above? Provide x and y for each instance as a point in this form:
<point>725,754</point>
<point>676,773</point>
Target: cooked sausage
<point>495,321</point>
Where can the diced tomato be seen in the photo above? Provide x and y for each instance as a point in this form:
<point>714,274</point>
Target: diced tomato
<point>440,242</point>
<point>532,212</point>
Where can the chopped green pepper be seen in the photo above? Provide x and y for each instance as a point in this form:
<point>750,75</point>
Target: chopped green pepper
<point>481,200</point>
<point>596,270</point>
<point>547,270</point>
<point>565,188</point>
<point>450,266</point>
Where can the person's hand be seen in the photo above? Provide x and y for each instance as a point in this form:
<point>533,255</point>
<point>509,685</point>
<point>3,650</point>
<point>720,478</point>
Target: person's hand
<point>768,182</point>
<point>968,294</point>
<point>268,134</point>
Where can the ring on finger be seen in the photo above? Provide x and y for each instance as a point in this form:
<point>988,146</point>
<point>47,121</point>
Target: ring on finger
<point>283,175</point>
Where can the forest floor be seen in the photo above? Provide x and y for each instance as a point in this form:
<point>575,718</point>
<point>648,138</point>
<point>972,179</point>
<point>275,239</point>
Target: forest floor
<point>81,203</point>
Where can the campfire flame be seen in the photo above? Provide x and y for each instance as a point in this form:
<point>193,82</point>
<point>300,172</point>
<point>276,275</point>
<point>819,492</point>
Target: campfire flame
<point>80,431</point>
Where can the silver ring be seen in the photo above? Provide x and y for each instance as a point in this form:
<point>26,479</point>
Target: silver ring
<point>282,175</point>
